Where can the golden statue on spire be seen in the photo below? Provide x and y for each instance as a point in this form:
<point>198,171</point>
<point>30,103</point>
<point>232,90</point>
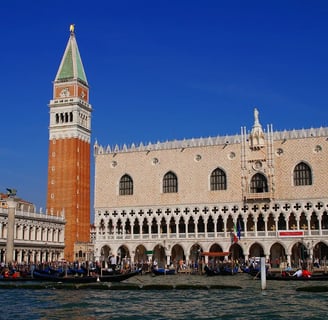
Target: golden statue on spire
<point>71,28</point>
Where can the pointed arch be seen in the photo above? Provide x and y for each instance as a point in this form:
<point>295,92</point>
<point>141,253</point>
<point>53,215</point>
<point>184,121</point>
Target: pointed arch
<point>154,226</point>
<point>170,183</point>
<point>200,224</point>
<point>302,175</point>
<point>126,185</point>
<point>145,226</point>
<point>260,223</point>
<point>282,224</point>
<point>182,225</point>
<point>172,225</point>
<point>259,183</point>
<point>163,226</point>
<point>218,180</point>
<point>210,224</point>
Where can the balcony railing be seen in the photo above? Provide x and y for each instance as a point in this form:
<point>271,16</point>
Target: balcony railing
<point>209,235</point>
<point>257,196</point>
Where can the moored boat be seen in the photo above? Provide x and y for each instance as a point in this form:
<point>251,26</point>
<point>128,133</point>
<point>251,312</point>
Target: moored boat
<point>221,270</point>
<point>39,275</point>
<point>162,271</point>
<point>287,277</point>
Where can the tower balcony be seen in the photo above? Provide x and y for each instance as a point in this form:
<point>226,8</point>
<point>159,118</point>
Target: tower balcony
<point>260,196</point>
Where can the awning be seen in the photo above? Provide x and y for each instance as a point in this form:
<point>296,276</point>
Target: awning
<point>216,254</point>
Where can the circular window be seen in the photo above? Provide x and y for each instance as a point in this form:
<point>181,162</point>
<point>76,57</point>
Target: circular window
<point>198,157</point>
<point>231,155</point>
<point>155,161</point>
<point>317,149</point>
<point>257,165</point>
<point>279,152</point>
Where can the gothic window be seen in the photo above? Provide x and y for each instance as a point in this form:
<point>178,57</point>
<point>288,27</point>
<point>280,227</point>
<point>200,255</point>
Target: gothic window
<point>218,180</point>
<point>314,222</point>
<point>282,225</point>
<point>201,225</point>
<point>259,184</point>
<point>145,227</point>
<point>302,175</point>
<point>136,227</point>
<point>173,227</point>
<point>127,227</point>
<point>182,226</point>
<point>163,226</point>
<point>170,183</point>
<point>191,225</point>
<point>260,223</point>
<point>220,224</point>
<point>126,185</point>
<point>154,226</point>
<point>210,224</point>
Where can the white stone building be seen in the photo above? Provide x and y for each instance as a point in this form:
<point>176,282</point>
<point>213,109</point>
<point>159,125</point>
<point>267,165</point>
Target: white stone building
<point>38,237</point>
<point>173,200</point>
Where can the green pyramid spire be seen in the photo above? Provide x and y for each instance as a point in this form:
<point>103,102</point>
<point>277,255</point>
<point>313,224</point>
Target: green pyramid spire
<point>71,67</point>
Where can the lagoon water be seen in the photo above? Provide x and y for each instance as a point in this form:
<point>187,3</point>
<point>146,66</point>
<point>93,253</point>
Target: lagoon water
<point>280,300</point>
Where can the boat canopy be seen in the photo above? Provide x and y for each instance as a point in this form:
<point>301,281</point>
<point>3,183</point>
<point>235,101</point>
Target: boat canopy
<point>216,254</point>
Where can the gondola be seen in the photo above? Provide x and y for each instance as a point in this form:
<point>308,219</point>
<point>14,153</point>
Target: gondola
<point>221,271</point>
<point>39,275</point>
<point>162,271</point>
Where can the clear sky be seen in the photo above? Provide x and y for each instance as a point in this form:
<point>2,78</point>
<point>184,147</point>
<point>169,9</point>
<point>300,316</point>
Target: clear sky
<point>159,70</point>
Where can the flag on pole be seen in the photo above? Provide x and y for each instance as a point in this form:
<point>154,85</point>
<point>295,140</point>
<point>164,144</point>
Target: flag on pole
<point>239,230</point>
<point>235,237</point>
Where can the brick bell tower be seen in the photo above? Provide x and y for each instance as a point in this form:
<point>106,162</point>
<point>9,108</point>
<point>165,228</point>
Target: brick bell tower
<point>69,148</point>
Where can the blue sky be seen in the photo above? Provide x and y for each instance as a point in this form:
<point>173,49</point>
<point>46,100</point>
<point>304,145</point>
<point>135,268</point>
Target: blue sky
<point>159,70</point>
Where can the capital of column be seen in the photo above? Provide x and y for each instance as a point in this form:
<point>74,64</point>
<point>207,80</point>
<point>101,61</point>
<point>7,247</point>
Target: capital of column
<point>11,203</point>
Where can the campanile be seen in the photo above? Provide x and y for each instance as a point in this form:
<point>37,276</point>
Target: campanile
<point>69,148</point>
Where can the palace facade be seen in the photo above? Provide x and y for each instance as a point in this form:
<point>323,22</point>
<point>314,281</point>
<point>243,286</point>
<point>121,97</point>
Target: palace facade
<point>174,200</point>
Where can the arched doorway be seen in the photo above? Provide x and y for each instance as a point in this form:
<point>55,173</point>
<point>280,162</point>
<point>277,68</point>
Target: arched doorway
<point>160,256</point>
<point>105,253</point>
<point>123,255</point>
<point>237,253</point>
<point>320,252</point>
<point>177,255</point>
<point>195,256</point>
<point>256,250</point>
<point>140,256</point>
<point>299,254</point>
<point>277,255</point>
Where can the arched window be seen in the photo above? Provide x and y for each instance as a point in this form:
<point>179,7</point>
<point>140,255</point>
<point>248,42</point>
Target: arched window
<point>302,175</point>
<point>170,183</point>
<point>126,185</point>
<point>259,184</point>
<point>218,180</point>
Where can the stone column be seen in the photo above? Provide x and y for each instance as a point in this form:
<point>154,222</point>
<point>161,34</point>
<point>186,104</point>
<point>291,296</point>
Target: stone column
<point>10,230</point>
<point>168,260</point>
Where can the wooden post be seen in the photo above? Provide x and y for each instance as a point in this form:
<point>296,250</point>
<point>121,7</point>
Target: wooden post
<point>263,274</point>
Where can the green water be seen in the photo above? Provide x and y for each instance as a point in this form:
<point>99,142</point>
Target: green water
<point>280,300</point>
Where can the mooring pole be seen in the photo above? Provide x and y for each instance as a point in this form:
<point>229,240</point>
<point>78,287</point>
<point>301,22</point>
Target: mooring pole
<point>263,274</point>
